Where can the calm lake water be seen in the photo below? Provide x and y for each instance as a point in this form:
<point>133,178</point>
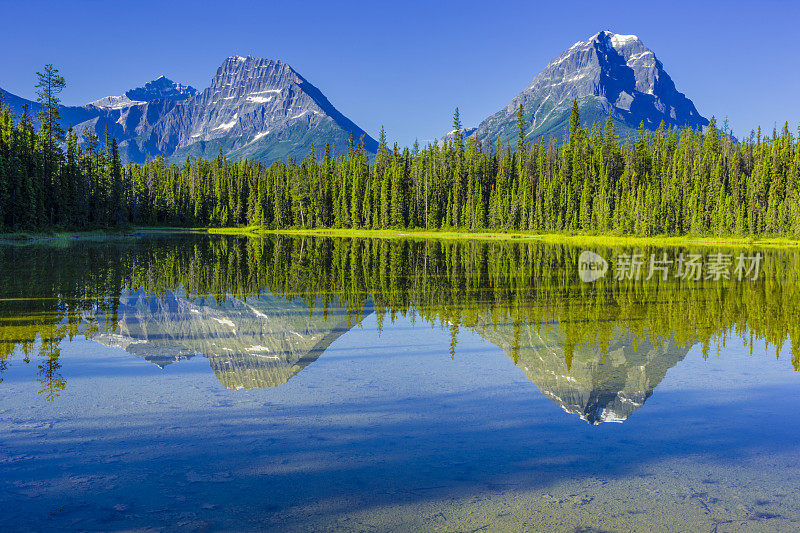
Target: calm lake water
<point>220,383</point>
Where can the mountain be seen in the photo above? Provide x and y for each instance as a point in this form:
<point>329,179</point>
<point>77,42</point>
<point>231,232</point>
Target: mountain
<point>161,88</point>
<point>255,108</point>
<point>598,385</point>
<point>606,73</point>
<point>250,343</point>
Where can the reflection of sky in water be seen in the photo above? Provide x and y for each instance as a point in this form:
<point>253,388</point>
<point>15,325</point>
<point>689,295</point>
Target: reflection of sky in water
<point>388,432</point>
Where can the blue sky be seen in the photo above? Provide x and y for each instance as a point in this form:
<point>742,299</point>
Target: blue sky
<point>406,66</point>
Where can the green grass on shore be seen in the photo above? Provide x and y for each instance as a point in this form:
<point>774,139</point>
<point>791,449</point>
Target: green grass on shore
<point>555,238</point>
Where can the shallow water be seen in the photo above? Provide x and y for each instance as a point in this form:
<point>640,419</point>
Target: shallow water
<point>317,384</point>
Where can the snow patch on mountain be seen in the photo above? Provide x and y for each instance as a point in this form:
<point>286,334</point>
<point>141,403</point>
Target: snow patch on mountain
<point>260,135</point>
<point>259,99</point>
<point>227,125</point>
<point>619,40</point>
<point>115,102</point>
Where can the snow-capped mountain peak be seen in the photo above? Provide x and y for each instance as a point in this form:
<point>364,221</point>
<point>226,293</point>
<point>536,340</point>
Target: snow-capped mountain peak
<point>161,88</point>
<point>607,73</point>
<point>253,107</point>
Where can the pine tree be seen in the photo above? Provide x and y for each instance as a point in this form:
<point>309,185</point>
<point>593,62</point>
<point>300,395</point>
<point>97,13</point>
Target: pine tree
<point>49,85</point>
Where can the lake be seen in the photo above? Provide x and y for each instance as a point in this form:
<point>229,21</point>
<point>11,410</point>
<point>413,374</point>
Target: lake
<point>299,383</point>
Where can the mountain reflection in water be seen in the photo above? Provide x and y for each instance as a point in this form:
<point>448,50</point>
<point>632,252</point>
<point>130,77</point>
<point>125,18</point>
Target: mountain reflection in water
<point>261,310</point>
<point>250,343</point>
<point>598,385</point>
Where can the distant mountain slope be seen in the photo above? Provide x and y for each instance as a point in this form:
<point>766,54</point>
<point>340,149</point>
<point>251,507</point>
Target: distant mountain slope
<point>124,118</point>
<point>69,114</point>
<point>606,73</point>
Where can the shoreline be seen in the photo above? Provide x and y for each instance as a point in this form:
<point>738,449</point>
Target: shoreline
<point>22,238</point>
<point>33,237</point>
<point>518,236</point>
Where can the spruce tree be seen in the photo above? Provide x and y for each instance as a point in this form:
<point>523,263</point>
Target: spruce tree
<point>520,129</point>
<point>574,119</point>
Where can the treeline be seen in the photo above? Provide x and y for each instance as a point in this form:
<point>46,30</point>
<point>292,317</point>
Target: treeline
<point>663,182</point>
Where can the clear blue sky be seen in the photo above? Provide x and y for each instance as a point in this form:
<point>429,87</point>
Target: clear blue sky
<point>406,66</point>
